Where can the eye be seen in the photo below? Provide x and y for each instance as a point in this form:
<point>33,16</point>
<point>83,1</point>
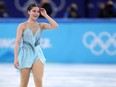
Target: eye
<point>34,10</point>
<point>38,11</point>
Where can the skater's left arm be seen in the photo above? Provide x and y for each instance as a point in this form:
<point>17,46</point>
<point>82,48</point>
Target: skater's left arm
<point>52,23</point>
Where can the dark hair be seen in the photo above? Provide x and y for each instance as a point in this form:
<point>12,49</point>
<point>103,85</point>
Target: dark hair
<point>31,6</point>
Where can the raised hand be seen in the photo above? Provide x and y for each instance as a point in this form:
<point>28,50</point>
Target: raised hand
<point>43,11</point>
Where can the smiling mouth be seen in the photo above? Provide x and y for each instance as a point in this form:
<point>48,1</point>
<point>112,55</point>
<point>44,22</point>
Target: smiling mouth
<point>35,16</point>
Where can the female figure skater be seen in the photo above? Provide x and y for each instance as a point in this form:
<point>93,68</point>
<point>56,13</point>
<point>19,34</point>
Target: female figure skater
<point>30,56</point>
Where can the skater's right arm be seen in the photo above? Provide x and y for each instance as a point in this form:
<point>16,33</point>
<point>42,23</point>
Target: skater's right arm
<point>17,44</point>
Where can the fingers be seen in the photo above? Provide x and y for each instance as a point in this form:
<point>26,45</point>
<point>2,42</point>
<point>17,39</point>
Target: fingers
<point>16,65</point>
<point>41,8</point>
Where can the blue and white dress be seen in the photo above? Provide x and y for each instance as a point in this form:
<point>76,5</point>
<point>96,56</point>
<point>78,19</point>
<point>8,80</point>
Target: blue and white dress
<point>30,50</point>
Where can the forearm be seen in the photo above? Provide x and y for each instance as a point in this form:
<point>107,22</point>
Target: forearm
<point>16,48</point>
<point>52,22</point>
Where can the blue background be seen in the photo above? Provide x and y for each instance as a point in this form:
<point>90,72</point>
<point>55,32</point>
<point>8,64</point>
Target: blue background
<point>66,40</point>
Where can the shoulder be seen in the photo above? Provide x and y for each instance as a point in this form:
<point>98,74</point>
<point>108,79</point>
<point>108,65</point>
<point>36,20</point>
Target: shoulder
<point>42,25</point>
<point>22,26</point>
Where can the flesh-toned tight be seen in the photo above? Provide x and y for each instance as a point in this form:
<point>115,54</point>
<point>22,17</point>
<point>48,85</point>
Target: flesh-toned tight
<point>37,70</point>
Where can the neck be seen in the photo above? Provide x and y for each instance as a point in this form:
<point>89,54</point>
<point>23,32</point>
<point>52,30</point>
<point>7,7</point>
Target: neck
<point>31,21</point>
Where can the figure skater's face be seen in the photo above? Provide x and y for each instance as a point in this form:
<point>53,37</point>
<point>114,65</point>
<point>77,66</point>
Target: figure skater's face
<point>34,13</point>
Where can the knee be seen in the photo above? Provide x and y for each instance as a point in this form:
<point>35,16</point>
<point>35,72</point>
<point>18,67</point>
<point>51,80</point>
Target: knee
<point>38,80</point>
<point>23,82</point>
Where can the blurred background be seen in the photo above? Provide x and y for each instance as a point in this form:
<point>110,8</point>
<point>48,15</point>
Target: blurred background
<point>81,52</point>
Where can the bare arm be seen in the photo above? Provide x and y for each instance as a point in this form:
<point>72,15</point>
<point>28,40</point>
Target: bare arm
<point>17,44</point>
<point>52,22</point>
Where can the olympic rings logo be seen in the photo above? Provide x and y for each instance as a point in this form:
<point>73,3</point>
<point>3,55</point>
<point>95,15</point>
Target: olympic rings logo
<point>108,45</point>
<point>55,7</point>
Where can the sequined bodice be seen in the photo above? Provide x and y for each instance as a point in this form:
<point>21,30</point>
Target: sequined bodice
<point>31,38</point>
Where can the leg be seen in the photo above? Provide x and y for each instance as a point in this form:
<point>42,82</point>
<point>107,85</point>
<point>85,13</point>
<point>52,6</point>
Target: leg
<point>25,73</point>
<point>37,70</point>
